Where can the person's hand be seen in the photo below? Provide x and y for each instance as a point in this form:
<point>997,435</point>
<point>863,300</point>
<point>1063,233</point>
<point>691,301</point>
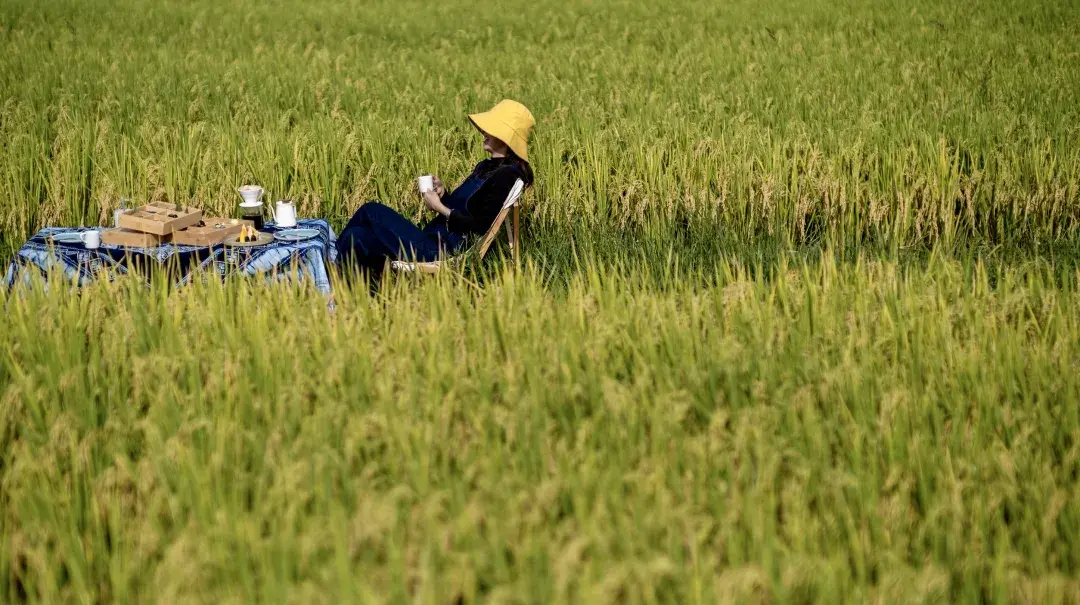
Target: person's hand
<point>432,201</point>
<point>439,189</point>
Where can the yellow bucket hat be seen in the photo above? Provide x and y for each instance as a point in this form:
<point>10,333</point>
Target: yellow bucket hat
<point>510,122</point>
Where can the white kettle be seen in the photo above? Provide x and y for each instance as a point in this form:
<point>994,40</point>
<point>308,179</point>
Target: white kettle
<point>285,214</point>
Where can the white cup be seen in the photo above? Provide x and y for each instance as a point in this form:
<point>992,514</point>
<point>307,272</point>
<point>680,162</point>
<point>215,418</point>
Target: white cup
<point>90,239</point>
<point>426,183</point>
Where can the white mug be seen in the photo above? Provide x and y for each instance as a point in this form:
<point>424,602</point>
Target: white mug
<point>426,183</point>
<point>90,239</point>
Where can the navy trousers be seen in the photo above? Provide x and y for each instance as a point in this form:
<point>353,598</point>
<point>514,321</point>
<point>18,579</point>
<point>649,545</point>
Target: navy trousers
<point>377,233</point>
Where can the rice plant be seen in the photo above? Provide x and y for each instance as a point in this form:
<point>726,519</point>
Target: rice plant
<point>797,320</point>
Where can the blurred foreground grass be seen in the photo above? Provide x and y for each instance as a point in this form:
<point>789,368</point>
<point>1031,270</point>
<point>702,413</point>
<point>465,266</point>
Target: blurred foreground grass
<point>808,433</point>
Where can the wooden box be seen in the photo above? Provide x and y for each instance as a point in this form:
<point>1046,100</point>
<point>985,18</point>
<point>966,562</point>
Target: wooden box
<point>130,239</point>
<point>208,232</point>
<point>159,218</point>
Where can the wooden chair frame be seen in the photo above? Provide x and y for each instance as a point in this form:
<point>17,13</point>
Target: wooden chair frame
<point>478,250</point>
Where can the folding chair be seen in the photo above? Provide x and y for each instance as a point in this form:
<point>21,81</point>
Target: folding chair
<point>481,248</point>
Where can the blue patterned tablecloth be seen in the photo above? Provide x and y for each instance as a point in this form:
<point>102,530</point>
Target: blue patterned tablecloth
<point>277,260</point>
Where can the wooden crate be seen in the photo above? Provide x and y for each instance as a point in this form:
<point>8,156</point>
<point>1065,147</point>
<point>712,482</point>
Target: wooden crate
<point>159,218</point>
<point>207,232</point>
<point>130,239</point>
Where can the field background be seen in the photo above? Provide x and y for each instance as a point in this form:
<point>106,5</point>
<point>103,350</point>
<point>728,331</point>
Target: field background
<point>798,319</point>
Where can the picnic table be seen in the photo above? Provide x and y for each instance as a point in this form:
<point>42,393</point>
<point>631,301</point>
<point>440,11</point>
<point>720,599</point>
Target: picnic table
<point>306,259</point>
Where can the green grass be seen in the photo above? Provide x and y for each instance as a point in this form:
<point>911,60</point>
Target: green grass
<point>813,433</point>
<point>798,320</point>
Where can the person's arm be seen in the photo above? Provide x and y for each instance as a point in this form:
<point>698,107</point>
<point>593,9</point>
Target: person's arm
<point>484,205</point>
<point>434,202</point>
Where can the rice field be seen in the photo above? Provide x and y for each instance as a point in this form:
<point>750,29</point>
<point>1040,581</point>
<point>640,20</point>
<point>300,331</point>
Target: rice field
<point>797,318</point>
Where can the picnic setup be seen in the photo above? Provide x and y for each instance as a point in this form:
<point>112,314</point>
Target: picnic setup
<point>162,233</point>
<point>186,240</point>
<point>191,244</point>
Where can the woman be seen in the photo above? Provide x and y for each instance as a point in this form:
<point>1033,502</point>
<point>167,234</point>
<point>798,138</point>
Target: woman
<point>377,233</point>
